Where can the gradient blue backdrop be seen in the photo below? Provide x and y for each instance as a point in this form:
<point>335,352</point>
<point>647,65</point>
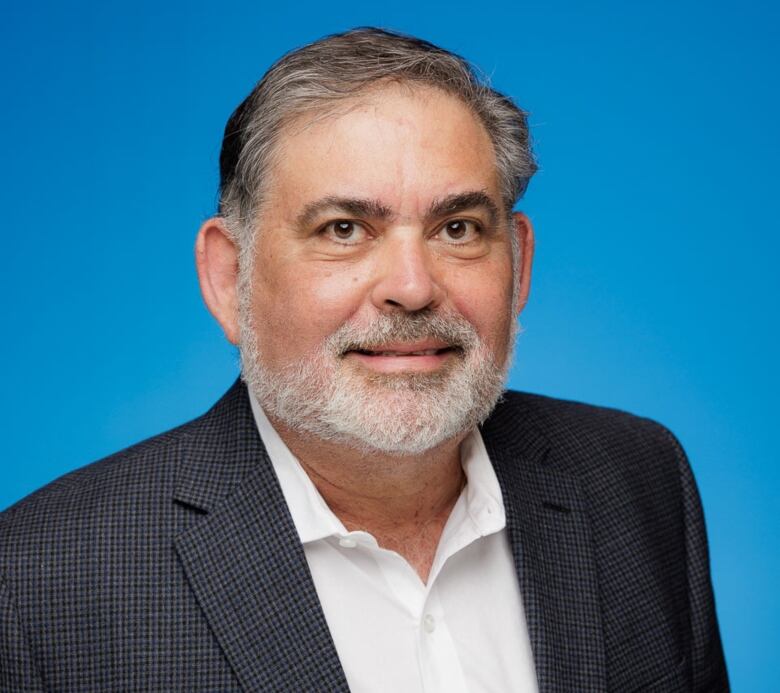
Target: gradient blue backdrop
<point>655,287</point>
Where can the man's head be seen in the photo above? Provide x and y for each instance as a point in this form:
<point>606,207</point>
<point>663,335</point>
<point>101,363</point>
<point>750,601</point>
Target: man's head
<point>320,77</point>
<point>365,258</point>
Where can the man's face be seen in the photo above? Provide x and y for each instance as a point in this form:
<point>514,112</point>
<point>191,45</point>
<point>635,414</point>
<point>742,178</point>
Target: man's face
<point>382,285</point>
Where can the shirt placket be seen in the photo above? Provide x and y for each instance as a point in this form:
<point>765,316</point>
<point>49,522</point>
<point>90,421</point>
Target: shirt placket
<point>439,662</point>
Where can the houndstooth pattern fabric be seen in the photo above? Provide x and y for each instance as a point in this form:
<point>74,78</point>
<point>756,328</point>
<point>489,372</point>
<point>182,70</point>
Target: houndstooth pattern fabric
<point>175,566</point>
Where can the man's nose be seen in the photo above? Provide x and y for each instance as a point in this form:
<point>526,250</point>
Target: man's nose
<point>406,275</point>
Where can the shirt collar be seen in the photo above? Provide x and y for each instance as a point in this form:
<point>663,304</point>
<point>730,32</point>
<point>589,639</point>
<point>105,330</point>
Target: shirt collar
<point>484,501</point>
<point>311,515</point>
<point>313,518</point>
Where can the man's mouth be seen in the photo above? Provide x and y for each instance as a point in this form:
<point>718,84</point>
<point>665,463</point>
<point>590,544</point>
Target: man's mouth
<point>394,358</point>
<point>388,352</point>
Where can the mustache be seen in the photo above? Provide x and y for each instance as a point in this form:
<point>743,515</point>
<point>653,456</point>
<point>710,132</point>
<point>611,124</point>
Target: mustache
<point>450,328</point>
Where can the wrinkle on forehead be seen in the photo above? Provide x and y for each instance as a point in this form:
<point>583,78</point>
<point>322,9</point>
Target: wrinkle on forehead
<point>381,147</point>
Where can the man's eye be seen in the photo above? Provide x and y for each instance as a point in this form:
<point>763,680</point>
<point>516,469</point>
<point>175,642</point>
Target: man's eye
<point>459,231</point>
<point>345,231</point>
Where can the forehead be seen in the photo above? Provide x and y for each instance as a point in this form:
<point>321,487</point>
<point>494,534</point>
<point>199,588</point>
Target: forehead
<point>404,146</point>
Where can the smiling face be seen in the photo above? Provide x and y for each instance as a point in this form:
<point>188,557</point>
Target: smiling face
<point>382,285</point>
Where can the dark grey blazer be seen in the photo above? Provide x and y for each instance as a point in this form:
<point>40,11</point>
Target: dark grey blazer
<point>175,566</point>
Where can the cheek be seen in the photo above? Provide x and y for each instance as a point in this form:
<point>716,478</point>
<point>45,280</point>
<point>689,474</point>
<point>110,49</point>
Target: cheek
<point>296,310</point>
<point>484,298</point>
<point>487,305</point>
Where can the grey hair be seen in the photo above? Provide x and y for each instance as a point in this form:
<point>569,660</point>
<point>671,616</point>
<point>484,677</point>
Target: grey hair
<point>318,76</point>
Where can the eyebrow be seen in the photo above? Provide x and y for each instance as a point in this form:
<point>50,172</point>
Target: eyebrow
<point>460,202</point>
<point>356,207</point>
<point>374,209</point>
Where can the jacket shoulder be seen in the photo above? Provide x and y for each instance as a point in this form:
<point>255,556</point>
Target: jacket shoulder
<point>118,480</point>
<point>620,460</point>
<point>580,427</point>
<point>141,471</point>
<point>124,491</point>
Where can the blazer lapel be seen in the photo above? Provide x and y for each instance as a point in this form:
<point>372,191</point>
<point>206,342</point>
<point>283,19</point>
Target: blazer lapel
<point>551,542</point>
<point>244,560</point>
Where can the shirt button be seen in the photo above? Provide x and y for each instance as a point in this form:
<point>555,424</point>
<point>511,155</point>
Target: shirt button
<point>347,542</point>
<point>429,623</point>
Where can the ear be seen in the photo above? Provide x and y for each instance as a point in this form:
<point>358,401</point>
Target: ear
<point>525,236</point>
<point>216,259</point>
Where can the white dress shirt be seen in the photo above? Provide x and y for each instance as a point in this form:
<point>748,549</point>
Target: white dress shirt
<point>464,630</point>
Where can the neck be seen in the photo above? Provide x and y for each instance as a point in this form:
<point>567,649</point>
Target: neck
<point>402,500</point>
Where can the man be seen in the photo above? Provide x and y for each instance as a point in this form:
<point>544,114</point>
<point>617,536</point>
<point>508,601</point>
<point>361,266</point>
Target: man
<point>359,512</point>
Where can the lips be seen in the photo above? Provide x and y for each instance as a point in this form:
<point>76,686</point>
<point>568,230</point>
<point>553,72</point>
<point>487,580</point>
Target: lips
<point>424,356</point>
<point>394,352</point>
<point>416,347</point>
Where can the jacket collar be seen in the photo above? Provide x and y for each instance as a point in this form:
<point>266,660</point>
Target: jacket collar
<point>244,561</point>
<point>550,537</point>
<point>247,568</point>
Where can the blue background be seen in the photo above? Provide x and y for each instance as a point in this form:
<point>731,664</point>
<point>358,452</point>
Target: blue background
<point>655,288</point>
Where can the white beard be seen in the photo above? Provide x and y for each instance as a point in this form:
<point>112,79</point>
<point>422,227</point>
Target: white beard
<point>332,398</point>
